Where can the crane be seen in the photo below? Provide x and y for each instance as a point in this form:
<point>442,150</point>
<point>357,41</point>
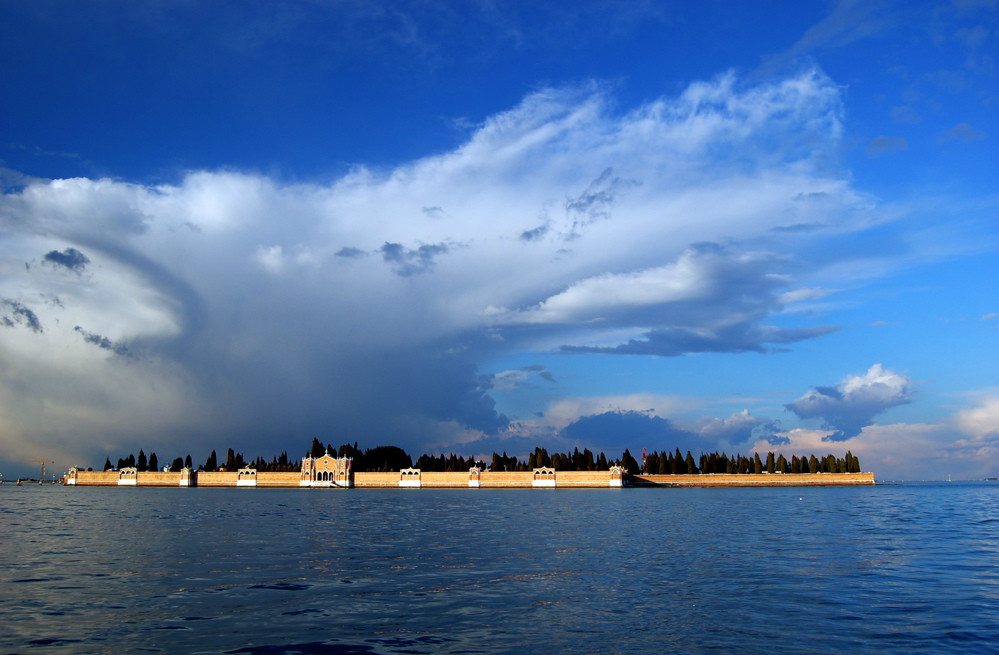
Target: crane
<point>41,461</point>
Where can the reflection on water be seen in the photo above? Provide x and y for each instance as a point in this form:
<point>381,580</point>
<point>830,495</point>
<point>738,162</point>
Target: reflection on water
<point>886,569</point>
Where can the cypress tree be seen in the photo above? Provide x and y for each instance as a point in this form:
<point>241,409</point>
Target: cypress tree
<point>629,463</point>
<point>154,463</point>
<point>141,463</point>
<point>107,463</point>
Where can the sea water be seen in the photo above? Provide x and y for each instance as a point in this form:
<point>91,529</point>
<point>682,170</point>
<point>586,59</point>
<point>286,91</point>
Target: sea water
<point>886,569</point>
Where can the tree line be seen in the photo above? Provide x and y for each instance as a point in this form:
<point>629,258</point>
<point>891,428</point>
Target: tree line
<point>393,458</point>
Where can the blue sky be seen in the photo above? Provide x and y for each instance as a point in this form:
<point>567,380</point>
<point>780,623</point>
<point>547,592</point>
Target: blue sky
<point>487,226</point>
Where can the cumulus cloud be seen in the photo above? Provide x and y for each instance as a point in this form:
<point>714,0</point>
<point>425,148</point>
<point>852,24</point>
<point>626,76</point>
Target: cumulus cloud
<point>914,451</point>
<point>366,310</point>
<point>853,403</point>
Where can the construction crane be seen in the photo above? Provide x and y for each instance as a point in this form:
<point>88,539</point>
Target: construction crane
<point>41,461</point>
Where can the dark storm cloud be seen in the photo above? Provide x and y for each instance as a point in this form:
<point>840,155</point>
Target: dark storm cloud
<point>849,407</point>
<point>612,431</point>
<point>406,261</point>
<point>71,258</point>
<point>14,313</point>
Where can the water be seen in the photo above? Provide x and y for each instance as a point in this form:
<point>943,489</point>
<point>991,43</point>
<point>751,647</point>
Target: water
<point>885,569</point>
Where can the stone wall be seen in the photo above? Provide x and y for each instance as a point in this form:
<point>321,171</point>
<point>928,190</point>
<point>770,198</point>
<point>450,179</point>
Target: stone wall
<point>487,479</point>
<point>753,480</point>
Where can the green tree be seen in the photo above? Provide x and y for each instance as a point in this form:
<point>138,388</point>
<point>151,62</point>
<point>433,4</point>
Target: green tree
<point>771,463</point>
<point>140,464</point>
<point>691,466</point>
<point>211,464</point>
<point>154,463</point>
<point>385,458</point>
<point>187,461</point>
<point>107,463</point>
<point>176,465</point>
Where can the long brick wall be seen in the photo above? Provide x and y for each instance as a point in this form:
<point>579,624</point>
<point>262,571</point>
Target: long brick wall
<point>487,479</point>
<point>752,480</point>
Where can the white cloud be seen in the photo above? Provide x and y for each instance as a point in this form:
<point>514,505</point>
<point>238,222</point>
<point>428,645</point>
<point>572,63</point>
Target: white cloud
<point>382,309</point>
<point>853,403</point>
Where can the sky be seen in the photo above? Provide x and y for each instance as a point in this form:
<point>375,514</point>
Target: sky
<point>488,226</point>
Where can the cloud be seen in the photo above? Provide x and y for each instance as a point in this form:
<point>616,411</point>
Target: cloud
<point>101,342</point>
<point>853,403</point>
<point>274,312</point>
<point>14,313</point>
<point>513,379</point>
<point>604,431</point>
<point>406,261</point>
<point>708,300</point>
<point>739,431</point>
<point>883,145</point>
<point>597,201</point>
<point>71,258</point>
<point>963,132</point>
<point>350,253</point>
<point>915,451</point>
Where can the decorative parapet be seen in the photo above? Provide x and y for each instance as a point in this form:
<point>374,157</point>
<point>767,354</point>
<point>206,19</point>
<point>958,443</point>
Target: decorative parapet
<point>128,477</point>
<point>187,477</point>
<point>617,474</point>
<point>544,477</point>
<point>410,478</point>
<point>246,477</point>
<point>473,477</point>
<point>72,476</point>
